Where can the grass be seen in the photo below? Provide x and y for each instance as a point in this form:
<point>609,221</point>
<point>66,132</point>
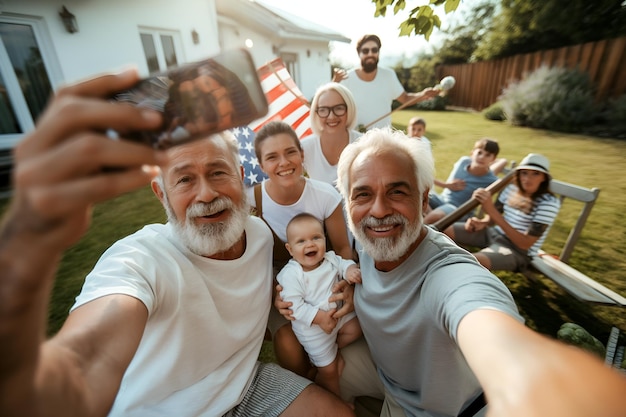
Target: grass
<point>112,220</point>
<point>582,160</point>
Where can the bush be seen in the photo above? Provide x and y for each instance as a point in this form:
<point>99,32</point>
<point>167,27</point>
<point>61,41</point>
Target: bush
<point>435,103</point>
<point>614,117</point>
<point>611,120</point>
<point>551,98</point>
<point>494,112</point>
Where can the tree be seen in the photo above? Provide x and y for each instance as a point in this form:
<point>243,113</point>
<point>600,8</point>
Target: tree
<point>520,26</point>
<point>422,19</point>
<point>458,48</point>
<point>524,26</point>
<point>422,75</point>
<point>465,33</point>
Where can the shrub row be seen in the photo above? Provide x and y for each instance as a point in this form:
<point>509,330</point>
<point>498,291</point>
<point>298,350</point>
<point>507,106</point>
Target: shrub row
<point>562,100</point>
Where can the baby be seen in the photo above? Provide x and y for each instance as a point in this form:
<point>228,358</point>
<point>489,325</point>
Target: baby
<point>307,280</point>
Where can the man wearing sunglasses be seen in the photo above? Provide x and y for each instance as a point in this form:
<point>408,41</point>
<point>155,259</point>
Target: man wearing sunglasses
<point>374,88</point>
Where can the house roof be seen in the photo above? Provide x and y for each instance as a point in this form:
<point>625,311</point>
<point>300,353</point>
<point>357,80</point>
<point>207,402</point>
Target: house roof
<point>275,22</point>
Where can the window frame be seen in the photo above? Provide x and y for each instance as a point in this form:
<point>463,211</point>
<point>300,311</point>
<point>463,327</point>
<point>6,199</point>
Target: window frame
<point>156,34</point>
<point>16,97</point>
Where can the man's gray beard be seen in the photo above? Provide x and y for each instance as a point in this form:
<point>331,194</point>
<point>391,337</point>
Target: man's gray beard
<point>387,249</point>
<point>369,67</point>
<point>210,238</point>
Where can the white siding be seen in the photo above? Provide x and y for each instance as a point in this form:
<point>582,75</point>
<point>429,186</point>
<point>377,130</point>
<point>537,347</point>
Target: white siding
<point>108,36</point>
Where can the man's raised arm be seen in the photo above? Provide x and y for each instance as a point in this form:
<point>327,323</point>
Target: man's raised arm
<point>62,168</point>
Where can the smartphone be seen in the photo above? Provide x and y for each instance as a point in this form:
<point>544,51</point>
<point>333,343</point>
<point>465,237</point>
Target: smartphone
<point>198,99</point>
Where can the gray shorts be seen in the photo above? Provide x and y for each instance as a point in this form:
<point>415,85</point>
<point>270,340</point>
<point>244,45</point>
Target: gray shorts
<point>359,382</point>
<point>272,390</point>
<point>502,253</point>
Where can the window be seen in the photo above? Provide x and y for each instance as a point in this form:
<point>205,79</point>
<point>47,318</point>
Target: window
<point>28,70</point>
<point>8,119</point>
<point>291,63</point>
<point>160,49</point>
<point>25,85</point>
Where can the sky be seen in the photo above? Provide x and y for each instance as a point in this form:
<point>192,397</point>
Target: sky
<point>354,18</point>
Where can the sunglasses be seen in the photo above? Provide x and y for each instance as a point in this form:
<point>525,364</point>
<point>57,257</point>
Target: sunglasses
<point>366,51</point>
<point>338,110</point>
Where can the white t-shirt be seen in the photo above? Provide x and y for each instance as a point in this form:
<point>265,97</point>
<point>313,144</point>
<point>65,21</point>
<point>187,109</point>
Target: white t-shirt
<point>316,165</point>
<point>427,142</point>
<point>318,198</point>
<point>374,98</point>
<point>206,320</point>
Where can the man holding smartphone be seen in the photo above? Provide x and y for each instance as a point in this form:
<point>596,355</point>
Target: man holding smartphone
<point>171,319</point>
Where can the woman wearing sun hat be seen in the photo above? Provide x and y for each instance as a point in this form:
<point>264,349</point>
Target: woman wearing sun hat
<point>514,226</point>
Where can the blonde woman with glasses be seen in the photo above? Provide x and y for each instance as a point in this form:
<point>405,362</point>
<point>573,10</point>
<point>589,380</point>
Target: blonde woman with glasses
<point>333,117</point>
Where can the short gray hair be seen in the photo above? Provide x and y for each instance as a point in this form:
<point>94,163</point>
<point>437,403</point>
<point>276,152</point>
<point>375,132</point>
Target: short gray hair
<point>379,141</point>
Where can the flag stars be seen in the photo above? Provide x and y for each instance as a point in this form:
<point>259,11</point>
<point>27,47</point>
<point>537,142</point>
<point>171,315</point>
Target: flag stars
<point>252,178</point>
<point>247,158</point>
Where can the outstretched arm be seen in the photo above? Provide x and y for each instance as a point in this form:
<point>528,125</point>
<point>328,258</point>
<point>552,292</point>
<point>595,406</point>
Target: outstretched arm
<point>62,168</point>
<point>526,374</point>
<point>413,98</point>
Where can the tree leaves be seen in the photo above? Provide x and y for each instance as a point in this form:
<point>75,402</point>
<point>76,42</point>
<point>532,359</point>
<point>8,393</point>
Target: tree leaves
<point>451,5</point>
<point>421,21</point>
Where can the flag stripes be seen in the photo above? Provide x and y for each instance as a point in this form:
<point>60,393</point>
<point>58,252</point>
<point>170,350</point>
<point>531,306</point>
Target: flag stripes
<point>286,103</point>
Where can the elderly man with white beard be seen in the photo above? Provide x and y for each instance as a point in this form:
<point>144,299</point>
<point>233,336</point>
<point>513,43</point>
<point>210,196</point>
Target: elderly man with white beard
<point>442,329</point>
<point>171,320</point>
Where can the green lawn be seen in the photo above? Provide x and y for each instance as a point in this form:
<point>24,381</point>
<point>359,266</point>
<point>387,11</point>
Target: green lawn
<point>582,160</point>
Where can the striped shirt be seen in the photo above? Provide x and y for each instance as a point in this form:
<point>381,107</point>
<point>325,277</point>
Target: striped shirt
<point>543,211</point>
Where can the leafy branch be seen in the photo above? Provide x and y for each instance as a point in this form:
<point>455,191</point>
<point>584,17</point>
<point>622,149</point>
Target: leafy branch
<point>422,19</point>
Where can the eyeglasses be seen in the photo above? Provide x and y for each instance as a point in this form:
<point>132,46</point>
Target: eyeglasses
<point>338,110</point>
<point>366,51</point>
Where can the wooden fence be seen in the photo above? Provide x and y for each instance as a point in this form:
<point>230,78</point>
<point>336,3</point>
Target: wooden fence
<point>478,85</point>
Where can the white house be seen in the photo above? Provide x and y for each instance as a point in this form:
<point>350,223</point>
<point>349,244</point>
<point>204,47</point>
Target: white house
<point>302,45</point>
<point>45,43</point>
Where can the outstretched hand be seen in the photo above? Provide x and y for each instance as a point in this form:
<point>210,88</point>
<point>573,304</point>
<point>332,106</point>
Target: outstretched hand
<point>68,163</point>
<point>430,92</point>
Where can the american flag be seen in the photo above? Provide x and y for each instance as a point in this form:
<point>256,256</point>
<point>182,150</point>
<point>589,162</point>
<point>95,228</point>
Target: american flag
<point>251,169</point>
<point>286,103</point>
